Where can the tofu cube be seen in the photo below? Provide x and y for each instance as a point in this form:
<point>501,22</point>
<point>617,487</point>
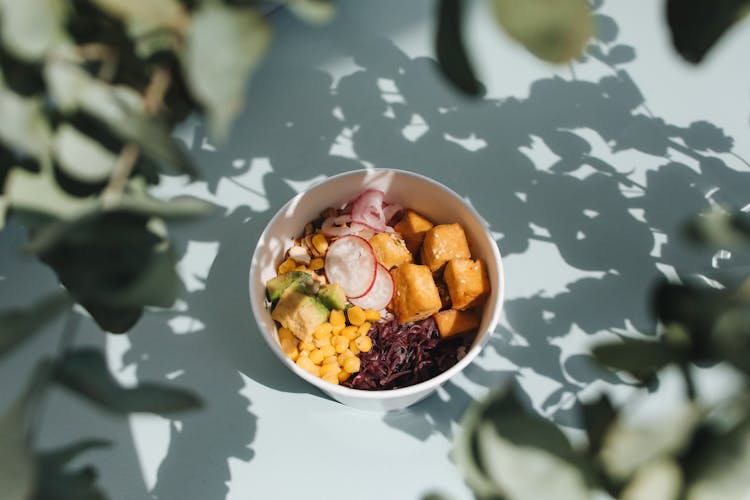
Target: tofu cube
<point>467,282</point>
<point>416,295</point>
<point>390,250</point>
<point>412,227</point>
<point>451,322</point>
<point>443,243</point>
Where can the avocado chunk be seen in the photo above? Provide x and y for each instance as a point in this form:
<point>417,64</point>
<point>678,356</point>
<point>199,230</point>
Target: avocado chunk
<point>332,296</point>
<point>275,286</point>
<point>299,312</point>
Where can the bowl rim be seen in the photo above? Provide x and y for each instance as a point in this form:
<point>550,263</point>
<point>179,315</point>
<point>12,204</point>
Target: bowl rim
<point>258,304</point>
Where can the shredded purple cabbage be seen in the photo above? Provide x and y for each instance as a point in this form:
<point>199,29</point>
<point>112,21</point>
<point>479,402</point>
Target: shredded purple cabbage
<point>404,355</point>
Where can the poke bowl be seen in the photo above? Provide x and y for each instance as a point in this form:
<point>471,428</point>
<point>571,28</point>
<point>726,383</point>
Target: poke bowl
<point>376,286</point>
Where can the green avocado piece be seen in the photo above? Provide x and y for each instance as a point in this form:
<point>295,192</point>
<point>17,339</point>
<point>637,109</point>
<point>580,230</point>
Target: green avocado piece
<point>299,312</point>
<point>332,296</point>
<point>275,286</point>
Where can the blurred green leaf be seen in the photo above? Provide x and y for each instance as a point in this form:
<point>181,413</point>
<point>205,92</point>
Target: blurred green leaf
<point>23,125</point>
<point>553,31</point>
<point>718,459</point>
<point>113,319</point>
<point>17,467</point>
<point>119,108</point>
<point>632,442</point>
<point>507,452</point>
<point>640,358</point>
<point>81,157</point>
<point>169,13</point>
<point>57,482</point>
<point>84,371</point>
<point>225,44</point>
<point>730,338</point>
<point>450,50</point>
<point>31,27</point>
<point>19,325</point>
<point>39,193</point>
<point>313,11</point>
<point>660,478</point>
<point>597,416</point>
<point>719,228</point>
<point>697,25</point>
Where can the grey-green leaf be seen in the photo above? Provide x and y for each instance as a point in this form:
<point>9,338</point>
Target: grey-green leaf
<point>31,27</point>
<point>450,50</point>
<point>313,11</point>
<point>504,451</point>
<point>640,358</point>
<point>23,126</point>
<point>19,325</point>
<point>553,31</point>
<point>720,228</point>
<point>225,44</point>
<point>80,156</point>
<point>84,371</point>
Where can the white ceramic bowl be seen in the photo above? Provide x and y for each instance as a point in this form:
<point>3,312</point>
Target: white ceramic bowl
<point>430,198</point>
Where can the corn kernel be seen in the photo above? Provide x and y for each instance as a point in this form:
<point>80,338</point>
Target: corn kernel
<point>328,351</point>
<point>356,315</point>
<point>353,347</point>
<point>286,266</point>
<point>332,368</point>
<point>330,360</point>
<point>352,364</point>
<point>340,343</point>
<point>323,330</point>
<point>341,358</point>
<point>300,267</point>
<point>320,243</point>
<point>316,264</point>
<point>293,355</point>
<point>306,364</point>
<point>349,332</point>
<point>306,346</point>
<point>288,346</point>
<point>329,377</point>
<point>304,354</point>
<point>364,328</point>
<point>337,329</point>
<point>337,318</point>
<point>372,315</point>
<point>343,375</point>
<point>364,343</point>
<point>322,342</point>
<point>316,356</point>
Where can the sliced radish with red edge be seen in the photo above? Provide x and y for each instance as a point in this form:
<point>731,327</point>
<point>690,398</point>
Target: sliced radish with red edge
<point>367,209</point>
<point>350,262</point>
<point>381,292</point>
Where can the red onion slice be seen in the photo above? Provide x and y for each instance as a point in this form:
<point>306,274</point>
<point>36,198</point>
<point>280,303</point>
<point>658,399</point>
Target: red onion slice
<point>367,209</point>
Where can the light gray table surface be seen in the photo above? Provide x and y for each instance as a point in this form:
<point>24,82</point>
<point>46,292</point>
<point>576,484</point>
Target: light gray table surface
<point>584,172</point>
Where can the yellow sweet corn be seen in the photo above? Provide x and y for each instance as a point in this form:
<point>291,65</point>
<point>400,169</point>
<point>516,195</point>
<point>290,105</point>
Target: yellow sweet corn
<point>337,318</point>
<point>320,243</point>
<point>356,315</point>
<point>372,315</point>
<point>364,343</point>
<point>350,332</point>
<point>286,266</point>
<point>364,328</point>
<point>316,264</point>
<point>352,364</point>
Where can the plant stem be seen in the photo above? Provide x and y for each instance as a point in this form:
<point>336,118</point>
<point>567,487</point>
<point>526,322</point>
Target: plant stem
<point>690,390</point>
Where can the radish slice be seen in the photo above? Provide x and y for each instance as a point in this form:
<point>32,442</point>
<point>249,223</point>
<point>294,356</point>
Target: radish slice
<point>362,231</point>
<point>367,209</point>
<point>350,262</point>
<point>380,294</point>
<point>390,211</point>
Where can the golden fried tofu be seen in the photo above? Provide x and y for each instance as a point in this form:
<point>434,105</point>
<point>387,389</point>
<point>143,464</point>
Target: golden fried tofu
<point>390,250</point>
<point>467,282</point>
<point>416,295</point>
<point>451,322</point>
<point>412,227</point>
<point>443,243</point>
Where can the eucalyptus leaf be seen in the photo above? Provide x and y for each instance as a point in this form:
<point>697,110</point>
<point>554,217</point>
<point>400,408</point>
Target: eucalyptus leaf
<point>716,465</point>
<point>313,11</point>
<point>29,28</point>
<point>506,452</point>
<point>660,479</point>
<point>84,371</point>
<point>18,326</point>
<point>630,443</point>
<point>597,416</point>
<point>719,228</point>
<point>640,358</point>
<point>168,13</point>
<point>697,25</point>
<point>113,319</point>
<point>81,157</point>
<point>553,31</point>
<point>225,44</point>
<point>38,192</point>
<point>57,482</point>
<point>23,126</point>
<point>730,338</point>
<point>450,50</point>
